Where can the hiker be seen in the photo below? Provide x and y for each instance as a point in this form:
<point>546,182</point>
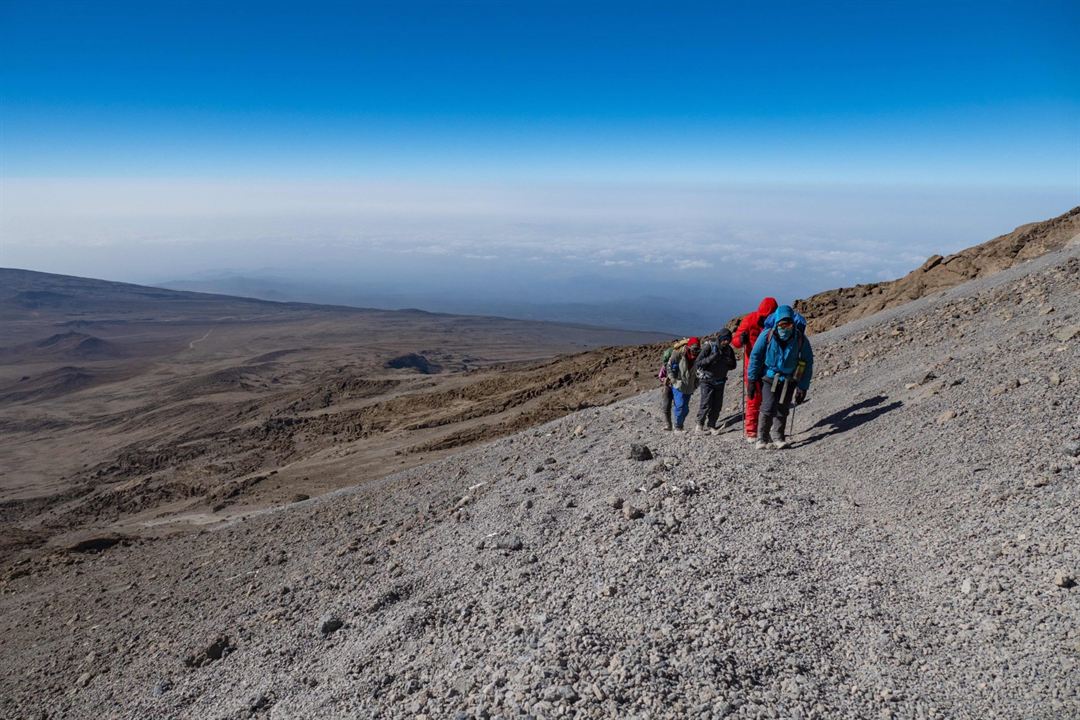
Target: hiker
<point>712,367</point>
<point>781,365</point>
<point>665,388</point>
<point>683,379</point>
<point>745,337</point>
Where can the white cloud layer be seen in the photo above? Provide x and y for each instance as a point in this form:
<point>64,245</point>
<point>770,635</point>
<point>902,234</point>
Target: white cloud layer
<point>738,239</point>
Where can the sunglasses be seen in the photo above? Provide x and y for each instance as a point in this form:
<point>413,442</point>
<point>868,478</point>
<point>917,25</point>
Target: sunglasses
<point>785,324</point>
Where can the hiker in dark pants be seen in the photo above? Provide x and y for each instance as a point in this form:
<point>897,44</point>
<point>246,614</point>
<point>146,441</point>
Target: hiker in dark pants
<point>717,359</point>
<point>665,390</point>
<point>783,361</point>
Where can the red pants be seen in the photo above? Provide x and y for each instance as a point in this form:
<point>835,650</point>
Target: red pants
<point>753,407</point>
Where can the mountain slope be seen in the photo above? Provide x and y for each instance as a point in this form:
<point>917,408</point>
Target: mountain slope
<point>910,557</point>
<point>836,307</point>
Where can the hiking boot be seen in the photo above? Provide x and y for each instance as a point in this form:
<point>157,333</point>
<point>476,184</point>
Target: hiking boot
<point>700,427</point>
<point>667,424</point>
<point>780,443</point>
<point>751,439</point>
<point>679,429</point>
<point>761,445</point>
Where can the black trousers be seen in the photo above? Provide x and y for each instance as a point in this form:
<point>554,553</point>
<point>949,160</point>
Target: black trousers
<point>665,400</point>
<point>774,404</point>
<point>712,400</point>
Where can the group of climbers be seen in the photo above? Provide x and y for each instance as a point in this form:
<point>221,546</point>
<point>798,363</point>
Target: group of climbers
<point>777,365</point>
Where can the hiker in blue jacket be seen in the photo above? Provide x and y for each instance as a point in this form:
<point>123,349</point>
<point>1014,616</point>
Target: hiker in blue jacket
<point>784,362</point>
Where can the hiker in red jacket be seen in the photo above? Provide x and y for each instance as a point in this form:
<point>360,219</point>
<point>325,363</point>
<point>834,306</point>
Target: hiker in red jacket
<point>745,337</point>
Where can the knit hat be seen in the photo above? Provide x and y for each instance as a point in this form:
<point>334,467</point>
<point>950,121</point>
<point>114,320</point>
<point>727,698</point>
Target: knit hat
<point>693,341</point>
<point>723,335</point>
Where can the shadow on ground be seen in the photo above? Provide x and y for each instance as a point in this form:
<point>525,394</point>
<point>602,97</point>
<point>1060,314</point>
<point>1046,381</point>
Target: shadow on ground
<point>850,418</point>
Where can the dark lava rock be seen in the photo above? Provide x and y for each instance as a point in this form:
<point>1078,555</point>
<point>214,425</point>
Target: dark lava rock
<point>508,542</point>
<point>330,624</point>
<point>413,361</point>
<point>640,452</point>
<point>215,651</point>
<point>96,544</point>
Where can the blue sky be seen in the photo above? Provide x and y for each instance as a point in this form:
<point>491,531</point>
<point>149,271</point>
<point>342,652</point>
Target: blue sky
<point>416,101</point>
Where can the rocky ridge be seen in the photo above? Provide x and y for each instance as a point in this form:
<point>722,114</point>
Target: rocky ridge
<point>835,307</point>
<point>913,556</point>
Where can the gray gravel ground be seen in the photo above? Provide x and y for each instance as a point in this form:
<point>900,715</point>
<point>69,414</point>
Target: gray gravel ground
<point>910,557</point>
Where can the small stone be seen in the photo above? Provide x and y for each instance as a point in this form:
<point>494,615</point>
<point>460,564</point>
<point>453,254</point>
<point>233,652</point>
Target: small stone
<point>1072,448</point>
<point>615,502</point>
<point>219,648</point>
<point>300,497</point>
<point>330,624</point>
<point>999,390</point>
<point>1067,333</point>
<point>1054,379</point>
<point>1063,580</point>
<point>632,513</point>
<point>561,694</point>
<point>84,679</point>
<point>946,416</point>
<point>965,587</point>
<point>579,430</point>
<point>508,542</point>
<point>640,452</point>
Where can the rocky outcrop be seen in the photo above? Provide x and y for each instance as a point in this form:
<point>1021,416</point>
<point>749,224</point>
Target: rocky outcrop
<point>832,308</point>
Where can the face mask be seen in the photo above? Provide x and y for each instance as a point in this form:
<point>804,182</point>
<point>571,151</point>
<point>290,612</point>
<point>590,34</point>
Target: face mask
<point>784,333</point>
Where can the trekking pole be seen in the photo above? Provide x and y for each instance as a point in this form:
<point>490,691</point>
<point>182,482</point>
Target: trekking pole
<point>742,405</point>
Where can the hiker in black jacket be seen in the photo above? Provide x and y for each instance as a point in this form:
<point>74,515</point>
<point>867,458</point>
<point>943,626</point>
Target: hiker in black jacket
<point>717,359</point>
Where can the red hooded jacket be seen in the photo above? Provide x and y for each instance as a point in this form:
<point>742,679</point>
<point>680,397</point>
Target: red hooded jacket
<point>752,323</point>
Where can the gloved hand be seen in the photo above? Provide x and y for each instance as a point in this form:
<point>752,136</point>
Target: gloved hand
<point>800,396</point>
<point>744,339</point>
<point>751,390</point>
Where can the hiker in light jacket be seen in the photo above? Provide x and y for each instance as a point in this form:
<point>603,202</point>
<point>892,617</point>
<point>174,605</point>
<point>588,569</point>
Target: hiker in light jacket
<point>783,361</point>
<point>717,359</point>
<point>680,371</point>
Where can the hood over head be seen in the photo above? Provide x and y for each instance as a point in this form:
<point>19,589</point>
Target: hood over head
<point>724,334</point>
<point>767,306</point>
<point>785,312</point>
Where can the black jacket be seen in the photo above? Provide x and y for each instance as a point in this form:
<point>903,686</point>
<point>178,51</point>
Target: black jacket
<point>715,363</point>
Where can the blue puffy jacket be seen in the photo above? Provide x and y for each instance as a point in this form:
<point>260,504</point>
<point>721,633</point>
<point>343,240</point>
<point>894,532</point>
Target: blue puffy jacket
<point>772,357</point>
